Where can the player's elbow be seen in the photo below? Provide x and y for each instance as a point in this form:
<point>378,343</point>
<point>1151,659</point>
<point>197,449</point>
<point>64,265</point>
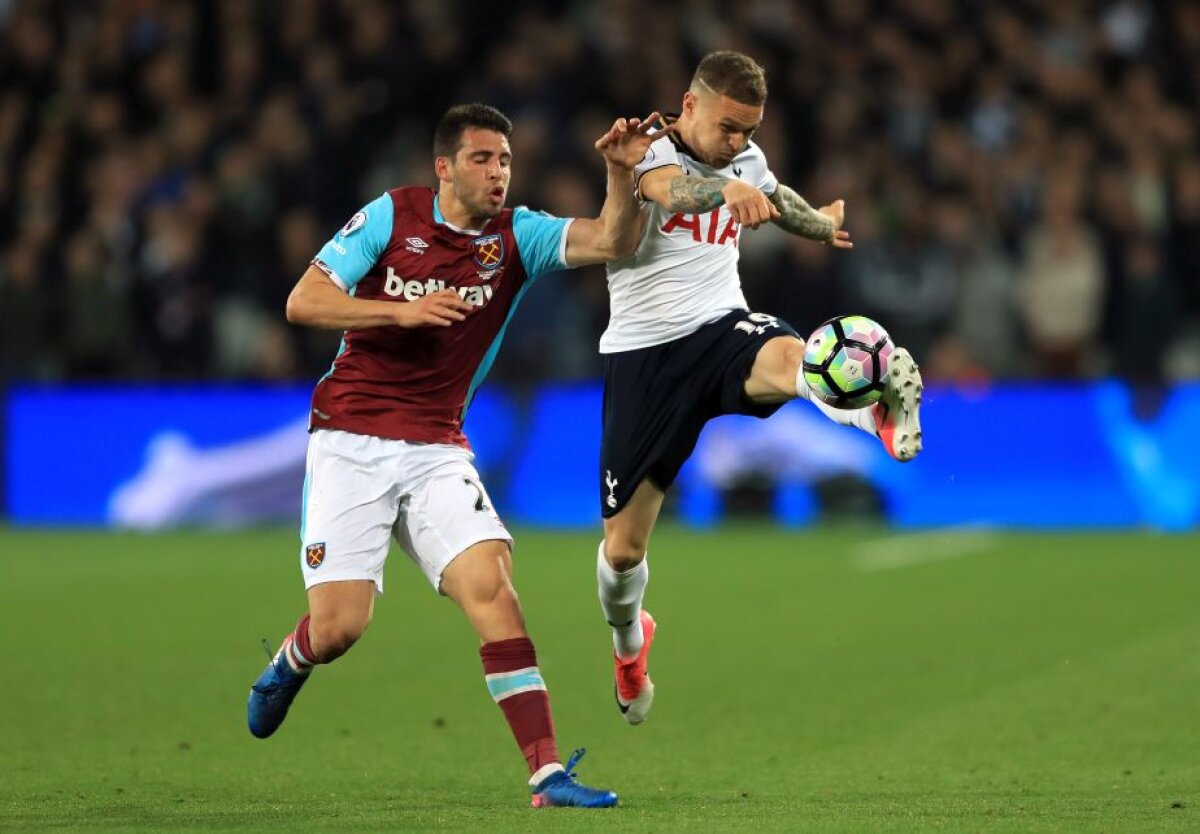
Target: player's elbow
<point>625,238</point>
<point>622,246</point>
<point>298,309</point>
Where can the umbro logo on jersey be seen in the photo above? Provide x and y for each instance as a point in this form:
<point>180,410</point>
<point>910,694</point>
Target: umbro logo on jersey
<point>416,245</point>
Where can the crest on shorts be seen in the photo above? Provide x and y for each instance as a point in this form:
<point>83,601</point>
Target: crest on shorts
<point>314,554</point>
<point>489,251</point>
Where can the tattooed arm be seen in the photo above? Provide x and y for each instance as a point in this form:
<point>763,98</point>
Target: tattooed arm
<point>799,218</point>
<point>675,191</point>
<point>694,195</point>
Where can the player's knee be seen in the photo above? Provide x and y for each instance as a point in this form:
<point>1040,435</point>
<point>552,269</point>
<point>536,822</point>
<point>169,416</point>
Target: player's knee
<point>787,360</point>
<point>625,551</point>
<point>773,375</point>
<point>793,358</point>
<point>332,637</point>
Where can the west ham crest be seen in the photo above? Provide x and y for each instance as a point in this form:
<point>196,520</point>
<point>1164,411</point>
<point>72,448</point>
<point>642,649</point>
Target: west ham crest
<point>489,251</point>
<point>314,554</point>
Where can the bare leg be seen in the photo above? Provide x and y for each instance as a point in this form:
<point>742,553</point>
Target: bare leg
<point>622,573</point>
<point>479,580</point>
<point>621,568</point>
<point>339,613</point>
<point>776,378</point>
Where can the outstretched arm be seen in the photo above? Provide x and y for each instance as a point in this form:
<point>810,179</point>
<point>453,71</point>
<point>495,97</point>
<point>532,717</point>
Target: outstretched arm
<point>615,233</point>
<point>799,218</point>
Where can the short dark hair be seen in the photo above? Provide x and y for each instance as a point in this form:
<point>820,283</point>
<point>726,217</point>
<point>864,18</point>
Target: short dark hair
<point>447,138</point>
<point>733,74</point>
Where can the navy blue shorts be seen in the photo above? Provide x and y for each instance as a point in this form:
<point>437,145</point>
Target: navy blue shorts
<point>657,400</point>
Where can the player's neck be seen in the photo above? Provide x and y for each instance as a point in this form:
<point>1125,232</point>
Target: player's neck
<point>683,132</point>
<point>456,214</point>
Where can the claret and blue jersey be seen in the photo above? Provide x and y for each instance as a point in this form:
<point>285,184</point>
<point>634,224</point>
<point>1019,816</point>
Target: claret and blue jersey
<point>414,384</point>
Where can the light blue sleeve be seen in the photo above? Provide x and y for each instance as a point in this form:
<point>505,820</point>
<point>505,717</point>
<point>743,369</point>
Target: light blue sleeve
<point>541,240</point>
<point>355,249</point>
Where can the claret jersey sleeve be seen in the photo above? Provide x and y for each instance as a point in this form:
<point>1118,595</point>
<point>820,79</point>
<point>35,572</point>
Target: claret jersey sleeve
<point>541,240</point>
<point>351,253</point>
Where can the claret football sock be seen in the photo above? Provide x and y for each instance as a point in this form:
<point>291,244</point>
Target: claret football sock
<point>297,650</point>
<point>511,671</point>
<point>621,594</point>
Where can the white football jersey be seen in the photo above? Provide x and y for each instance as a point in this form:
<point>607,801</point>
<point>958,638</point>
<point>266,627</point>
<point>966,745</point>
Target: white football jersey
<point>684,272</point>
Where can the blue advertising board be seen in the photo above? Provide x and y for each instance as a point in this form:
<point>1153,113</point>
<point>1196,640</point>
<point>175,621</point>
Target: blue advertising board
<point>1016,456</point>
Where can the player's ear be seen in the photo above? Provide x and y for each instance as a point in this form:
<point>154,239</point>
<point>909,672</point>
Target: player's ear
<point>443,166</point>
<point>689,102</point>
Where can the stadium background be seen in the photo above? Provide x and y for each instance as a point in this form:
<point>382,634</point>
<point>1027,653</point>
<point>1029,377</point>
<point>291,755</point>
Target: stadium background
<point>1022,183</point>
<point>1023,187</point>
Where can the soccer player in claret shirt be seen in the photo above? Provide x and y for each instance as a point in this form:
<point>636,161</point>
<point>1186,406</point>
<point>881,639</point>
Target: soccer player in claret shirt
<point>682,347</point>
<point>423,283</point>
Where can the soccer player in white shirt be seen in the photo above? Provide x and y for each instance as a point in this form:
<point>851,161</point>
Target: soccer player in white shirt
<point>683,347</point>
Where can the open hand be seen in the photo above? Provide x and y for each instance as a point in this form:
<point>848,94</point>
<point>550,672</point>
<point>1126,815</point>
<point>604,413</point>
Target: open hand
<point>626,142</point>
<point>836,211</point>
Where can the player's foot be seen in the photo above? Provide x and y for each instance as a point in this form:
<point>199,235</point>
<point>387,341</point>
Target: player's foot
<point>634,689</point>
<point>897,421</point>
<point>560,790</point>
<point>272,694</point>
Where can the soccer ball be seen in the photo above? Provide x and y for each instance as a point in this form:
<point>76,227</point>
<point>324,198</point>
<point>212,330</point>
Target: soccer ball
<point>846,361</point>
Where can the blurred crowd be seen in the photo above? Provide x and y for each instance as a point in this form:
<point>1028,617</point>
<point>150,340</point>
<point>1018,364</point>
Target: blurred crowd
<point>1022,178</point>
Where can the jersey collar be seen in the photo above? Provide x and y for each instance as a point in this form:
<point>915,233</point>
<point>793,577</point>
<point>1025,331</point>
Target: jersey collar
<point>441,221</point>
<point>677,140</point>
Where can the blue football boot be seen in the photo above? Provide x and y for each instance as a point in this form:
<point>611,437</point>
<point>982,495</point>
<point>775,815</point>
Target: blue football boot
<point>560,790</point>
<point>272,694</point>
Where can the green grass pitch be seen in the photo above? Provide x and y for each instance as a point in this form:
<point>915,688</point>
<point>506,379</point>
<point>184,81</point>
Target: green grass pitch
<point>826,681</point>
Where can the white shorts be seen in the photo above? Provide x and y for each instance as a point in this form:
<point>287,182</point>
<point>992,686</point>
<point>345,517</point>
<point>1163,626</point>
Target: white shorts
<point>359,490</point>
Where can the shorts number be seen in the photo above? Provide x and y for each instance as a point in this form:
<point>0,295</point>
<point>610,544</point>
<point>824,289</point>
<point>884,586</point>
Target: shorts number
<point>481,506</point>
<point>758,324</point>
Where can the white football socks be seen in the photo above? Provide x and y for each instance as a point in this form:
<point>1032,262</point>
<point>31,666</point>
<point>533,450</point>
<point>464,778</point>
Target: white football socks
<point>621,598</point>
<point>862,418</point>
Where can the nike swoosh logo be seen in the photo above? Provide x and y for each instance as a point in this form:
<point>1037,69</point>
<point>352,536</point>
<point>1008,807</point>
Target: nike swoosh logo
<point>624,708</point>
<point>737,172</point>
